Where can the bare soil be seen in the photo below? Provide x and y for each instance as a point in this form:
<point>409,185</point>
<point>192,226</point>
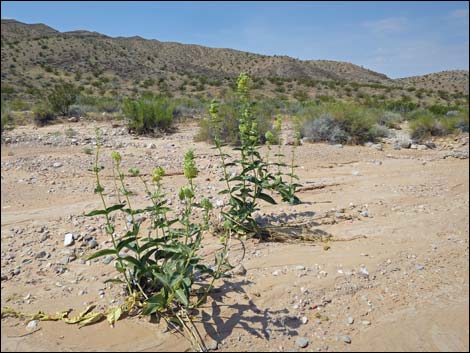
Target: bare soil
<point>400,215</point>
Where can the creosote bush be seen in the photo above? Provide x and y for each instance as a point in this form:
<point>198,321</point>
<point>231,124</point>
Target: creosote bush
<point>43,114</point>
<point>62,97</point>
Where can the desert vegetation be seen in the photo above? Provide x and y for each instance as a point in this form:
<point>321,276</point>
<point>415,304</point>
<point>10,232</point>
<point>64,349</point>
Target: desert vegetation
<point>297,205</point>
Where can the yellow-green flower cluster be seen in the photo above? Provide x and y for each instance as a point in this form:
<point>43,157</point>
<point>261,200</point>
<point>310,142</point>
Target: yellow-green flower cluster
<point>189,168</point>
<point>185,193</point>
<point>116,156</point>
<point>158,174</point>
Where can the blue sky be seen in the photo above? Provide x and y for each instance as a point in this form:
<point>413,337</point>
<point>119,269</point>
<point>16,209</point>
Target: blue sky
<point>396,38</point>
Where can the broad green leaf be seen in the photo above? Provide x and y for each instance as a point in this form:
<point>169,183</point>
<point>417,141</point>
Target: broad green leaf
<point>181,296</point>
<point>100,253</point>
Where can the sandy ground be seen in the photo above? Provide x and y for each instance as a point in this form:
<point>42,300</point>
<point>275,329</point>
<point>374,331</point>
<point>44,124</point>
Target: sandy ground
<point>403,215</point>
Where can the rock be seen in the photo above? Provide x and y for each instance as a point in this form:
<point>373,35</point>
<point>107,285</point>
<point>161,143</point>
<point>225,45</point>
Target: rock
<point>419,267</point>
<point>275,273</point>
<point>452,113</point>
<point>107,259</point>
<point>57,165</point>
<point>430,144</point>
<point>301,342</point>
<point>299,267</point>
<point>338,145</point>
<point>414,146</point>
<point>347,339</point>
<point>365,323</point>
<point>377,146</point>
<point>68,239</point>
<point>218,203</point>
<point>422,147</point>
<point>304,320</point>
<point>151,146</point>
<point>365,213</point>
<point>213,345</point>
<point>457,154</point>
<point>32,325</point>
<point>40,254</point>
<point>350,320</point>
<point>363,272</point>
<point>73,119</point>
<point>239,270</point>
<point>405,144</point>
<point>355,172</point>
<point>16,271</point>
<point>92,244</point>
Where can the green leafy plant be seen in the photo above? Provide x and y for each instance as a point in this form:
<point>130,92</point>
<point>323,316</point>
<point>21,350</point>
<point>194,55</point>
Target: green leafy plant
<point>161,269</point>
<point>251,177</point>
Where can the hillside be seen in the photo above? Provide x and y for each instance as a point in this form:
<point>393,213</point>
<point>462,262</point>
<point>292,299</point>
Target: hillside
<point>35,56</point>
<point>448,81</point>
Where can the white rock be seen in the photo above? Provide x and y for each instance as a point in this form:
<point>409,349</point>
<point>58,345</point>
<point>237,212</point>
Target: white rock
<point>32,325</point>
<point>68,239</point>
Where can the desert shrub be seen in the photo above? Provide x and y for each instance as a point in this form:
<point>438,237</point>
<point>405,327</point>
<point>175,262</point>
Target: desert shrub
<point>390,119</point>
<point>87,104</point>
<point>148,113</point>
<point>43,113</point>
<point>19,105</point>
<point>341,123</point>
<point>324,128</point>
<point>400,106</point>
<point>426,125</point>
<point>5,117</point>
<point>62,97</point>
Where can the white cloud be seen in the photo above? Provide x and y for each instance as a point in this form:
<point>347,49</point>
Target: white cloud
<point>388,25</point>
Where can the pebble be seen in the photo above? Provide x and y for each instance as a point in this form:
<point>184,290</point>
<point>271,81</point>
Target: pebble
<point>68,239</point>
<point>365,213</point>
<point>363,272</point>
<point>212,345</point>
<point>40,254</point>
<point>92,244</point>
<point>366,323</point>
<point>32,325</point>
<point>239,270</point>
<point>57,165</point>
<point>107,259</point>
<point>350,320</point>
<point>300,267</point>
<point>419,267</point>
<point>347,339</point>
<point>301,342</point>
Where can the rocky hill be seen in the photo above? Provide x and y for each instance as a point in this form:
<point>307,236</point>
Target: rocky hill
<point>35,56</point>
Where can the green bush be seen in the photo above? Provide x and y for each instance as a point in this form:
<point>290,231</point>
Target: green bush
<point>5,115</point>
<point>148,113</point>
<point>43,114</point>
<point>342,123</point>
<point>62,97</point>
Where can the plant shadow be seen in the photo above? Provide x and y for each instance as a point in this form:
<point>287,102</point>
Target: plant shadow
<point>244,314</point>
